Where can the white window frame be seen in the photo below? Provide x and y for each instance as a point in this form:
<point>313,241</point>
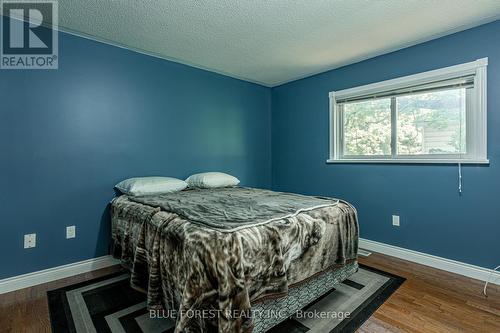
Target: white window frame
<point>476,116</point>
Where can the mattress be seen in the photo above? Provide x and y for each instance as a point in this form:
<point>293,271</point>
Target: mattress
<point>185,265</point>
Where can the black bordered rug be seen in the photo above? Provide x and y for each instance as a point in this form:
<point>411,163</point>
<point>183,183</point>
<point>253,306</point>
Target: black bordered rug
<point>109,304</point>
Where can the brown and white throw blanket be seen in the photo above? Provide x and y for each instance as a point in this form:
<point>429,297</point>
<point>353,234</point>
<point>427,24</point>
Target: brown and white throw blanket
<point>219,251</point>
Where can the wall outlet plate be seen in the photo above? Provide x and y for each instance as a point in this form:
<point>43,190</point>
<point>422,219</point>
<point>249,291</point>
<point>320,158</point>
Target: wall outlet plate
<point>395,220</point>
<point>29,241</point>
<point>70,232</point>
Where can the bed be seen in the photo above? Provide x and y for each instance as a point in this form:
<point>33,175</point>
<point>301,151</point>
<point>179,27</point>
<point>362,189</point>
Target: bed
<point>221,260</point>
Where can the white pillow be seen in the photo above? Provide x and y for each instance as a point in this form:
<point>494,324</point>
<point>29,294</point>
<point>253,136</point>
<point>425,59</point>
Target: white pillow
<point>212,180</point>
<point>150,185</point>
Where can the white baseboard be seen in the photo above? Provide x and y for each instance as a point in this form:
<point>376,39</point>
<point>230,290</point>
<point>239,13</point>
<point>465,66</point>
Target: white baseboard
<point>60,272</point>
<point>55,273</point>
<point>457,267</point>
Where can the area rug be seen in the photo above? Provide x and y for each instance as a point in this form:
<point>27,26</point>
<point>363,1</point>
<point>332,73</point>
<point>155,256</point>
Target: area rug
<point>109,304</point>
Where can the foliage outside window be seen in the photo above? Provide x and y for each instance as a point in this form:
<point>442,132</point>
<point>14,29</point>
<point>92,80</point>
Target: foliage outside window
<point>427,123</point>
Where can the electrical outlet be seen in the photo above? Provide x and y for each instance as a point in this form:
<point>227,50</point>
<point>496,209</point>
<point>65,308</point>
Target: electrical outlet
<point>29,241</point>
<point>395,220</point>
<point>70,232</point>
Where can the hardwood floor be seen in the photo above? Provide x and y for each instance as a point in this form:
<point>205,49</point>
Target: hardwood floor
<point>429,301</point>
<point>432,300</point>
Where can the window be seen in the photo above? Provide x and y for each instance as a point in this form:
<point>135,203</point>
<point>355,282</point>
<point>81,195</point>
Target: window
<point>432,117</point>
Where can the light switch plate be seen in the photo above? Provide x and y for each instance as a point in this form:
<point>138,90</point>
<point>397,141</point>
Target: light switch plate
<point>70,232</point>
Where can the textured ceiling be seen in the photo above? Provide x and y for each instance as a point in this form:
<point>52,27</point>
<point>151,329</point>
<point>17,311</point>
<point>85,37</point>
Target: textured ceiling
<point>274,41</point>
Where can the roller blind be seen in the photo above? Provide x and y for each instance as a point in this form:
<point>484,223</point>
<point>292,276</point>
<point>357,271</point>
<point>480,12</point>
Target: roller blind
<point>459,82</point>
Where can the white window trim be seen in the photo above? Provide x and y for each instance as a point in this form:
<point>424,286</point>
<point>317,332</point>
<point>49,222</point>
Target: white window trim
<point>476,125</point>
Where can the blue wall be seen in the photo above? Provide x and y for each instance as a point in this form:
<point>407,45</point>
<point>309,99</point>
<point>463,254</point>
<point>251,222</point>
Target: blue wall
<point>434,218</point>
<point>68,135</point>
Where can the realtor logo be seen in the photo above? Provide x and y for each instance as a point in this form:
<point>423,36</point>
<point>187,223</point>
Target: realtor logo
<point>29,38</point>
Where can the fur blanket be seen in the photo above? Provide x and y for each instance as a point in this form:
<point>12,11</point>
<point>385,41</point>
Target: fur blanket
<point>234,208</point>
<point>190,268</point>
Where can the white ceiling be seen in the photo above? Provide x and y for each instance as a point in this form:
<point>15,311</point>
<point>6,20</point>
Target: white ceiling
<point>270,41</point>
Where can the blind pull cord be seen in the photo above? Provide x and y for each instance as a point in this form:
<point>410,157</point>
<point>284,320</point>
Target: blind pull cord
<point>460,178</point>
<point>460,148</point>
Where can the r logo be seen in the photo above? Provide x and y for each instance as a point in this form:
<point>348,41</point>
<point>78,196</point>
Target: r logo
<point>28,28</point>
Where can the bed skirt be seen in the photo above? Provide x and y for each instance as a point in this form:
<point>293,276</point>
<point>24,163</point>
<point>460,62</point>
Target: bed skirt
<point>298,297</point>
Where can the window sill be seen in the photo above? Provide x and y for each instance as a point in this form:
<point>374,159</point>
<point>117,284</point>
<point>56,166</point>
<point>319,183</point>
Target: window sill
<point>408,161</point>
